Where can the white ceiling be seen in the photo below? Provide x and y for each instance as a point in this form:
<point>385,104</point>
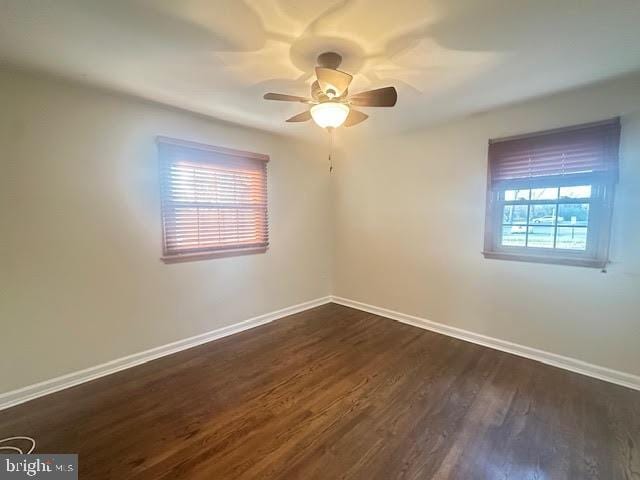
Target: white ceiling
<point>218,57</point>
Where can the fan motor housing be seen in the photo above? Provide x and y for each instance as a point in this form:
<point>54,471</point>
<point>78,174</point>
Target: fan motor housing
<point>329,60</point>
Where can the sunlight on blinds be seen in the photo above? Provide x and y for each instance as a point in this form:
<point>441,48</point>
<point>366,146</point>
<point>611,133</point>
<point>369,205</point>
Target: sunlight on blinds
<point>212,200</point>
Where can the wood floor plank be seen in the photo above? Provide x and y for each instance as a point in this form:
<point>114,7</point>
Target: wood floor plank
<point>333,393</point>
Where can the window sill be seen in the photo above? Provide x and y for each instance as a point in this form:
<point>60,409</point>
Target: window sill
<point>232,252</point>
<point>519,257</point>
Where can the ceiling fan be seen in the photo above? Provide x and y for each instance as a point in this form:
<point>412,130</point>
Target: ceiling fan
<point>331,104</point>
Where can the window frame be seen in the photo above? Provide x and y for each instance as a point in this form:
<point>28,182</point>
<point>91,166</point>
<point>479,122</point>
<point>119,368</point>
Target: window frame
<point>207,154</point>
<point>598,225</point>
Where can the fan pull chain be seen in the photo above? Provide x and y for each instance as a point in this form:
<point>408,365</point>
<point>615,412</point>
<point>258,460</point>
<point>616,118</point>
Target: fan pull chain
<point>331,134</point>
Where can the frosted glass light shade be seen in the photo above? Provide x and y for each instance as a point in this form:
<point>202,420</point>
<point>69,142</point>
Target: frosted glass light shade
<point>329,114</point>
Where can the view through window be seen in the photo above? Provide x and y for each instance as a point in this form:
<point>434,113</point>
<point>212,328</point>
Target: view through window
<point>555,217</point>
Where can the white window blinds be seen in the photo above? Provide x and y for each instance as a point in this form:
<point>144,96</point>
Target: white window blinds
<point>214,200</point>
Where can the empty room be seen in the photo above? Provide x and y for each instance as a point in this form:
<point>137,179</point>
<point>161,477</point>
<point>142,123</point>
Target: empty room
<point>353,239</point>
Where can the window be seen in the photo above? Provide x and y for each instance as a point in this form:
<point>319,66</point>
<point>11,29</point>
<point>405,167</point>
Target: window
<point>214,200</point>
<point>550,195</point>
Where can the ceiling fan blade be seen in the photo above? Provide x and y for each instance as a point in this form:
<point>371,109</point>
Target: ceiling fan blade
<point>301,117</point>
<point>381,97</point>
<point>355,117</point>
<point>316,92</point>
<point>285,98</point>
<point>330,79</point>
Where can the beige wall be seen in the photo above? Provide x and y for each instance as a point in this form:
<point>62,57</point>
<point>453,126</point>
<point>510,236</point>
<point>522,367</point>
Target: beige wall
<point>81,282</point>
<point>409,221</point>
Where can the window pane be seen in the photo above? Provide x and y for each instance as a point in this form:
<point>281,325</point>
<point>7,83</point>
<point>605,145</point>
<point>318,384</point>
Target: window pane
<point>573,238</point>
<point>507,214</point>
<point>573,214</point>
<point>538,218</point>
<point>514,214</point>
<point>544,193</point>
<point>542,214</point>
<point>514,235</point>
<point>510,195</point>
<point>580,191</point>
<point>540,237</point>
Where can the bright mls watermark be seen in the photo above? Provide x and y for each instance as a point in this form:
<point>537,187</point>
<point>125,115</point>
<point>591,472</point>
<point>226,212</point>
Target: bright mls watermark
<point>41,466</point>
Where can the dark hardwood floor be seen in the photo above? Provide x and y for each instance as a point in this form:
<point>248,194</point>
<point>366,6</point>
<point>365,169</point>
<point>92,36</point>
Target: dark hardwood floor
<point>335,393</point>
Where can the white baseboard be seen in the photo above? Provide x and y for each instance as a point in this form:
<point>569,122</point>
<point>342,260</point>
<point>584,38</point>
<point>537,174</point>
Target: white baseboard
<point>560,361</point>
<point>30,392</point>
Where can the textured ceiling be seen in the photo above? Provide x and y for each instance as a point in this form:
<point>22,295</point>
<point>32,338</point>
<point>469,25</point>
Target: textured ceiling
<point>218,57</point>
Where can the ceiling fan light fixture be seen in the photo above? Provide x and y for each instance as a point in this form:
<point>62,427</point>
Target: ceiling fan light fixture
<point>329,114</point>
<point>330,99</point>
